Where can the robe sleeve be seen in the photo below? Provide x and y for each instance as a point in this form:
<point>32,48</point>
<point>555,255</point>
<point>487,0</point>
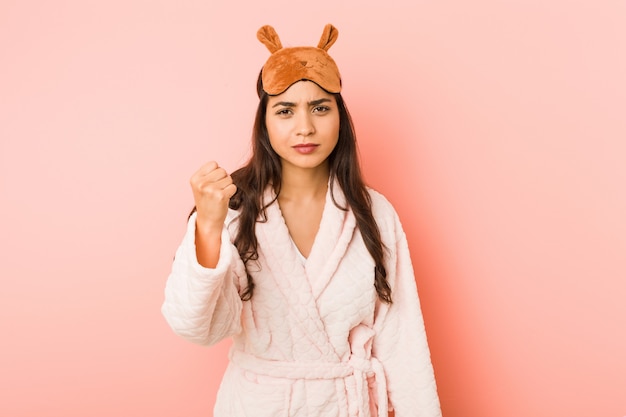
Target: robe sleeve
<point>202,304</point>
<point>400,342</point>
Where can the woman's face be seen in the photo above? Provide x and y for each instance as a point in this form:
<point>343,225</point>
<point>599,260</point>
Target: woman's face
<point>303,125</point>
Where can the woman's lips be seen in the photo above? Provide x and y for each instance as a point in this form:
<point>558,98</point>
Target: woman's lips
<point>305,148</point>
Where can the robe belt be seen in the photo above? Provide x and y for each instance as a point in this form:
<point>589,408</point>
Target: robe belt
<point>365,371</point>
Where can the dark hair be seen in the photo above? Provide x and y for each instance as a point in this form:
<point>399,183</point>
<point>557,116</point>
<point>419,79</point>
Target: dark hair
<point>264,169</point>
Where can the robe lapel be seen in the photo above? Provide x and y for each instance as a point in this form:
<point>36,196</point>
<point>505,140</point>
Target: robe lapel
<point>331,242</point>
<point>290,277</point>
<point>300,285</point>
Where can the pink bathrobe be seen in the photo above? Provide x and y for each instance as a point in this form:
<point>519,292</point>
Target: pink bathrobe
<point>314,340</point>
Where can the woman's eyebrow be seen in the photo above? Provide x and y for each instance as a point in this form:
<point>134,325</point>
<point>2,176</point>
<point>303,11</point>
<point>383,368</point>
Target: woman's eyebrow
<point>311,103</point>
<point>284,103</point>
<point>318,102</point>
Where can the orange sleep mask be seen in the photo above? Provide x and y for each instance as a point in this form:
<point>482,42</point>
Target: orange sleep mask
<point>289,65</point>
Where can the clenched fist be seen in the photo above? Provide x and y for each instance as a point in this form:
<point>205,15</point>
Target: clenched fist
<point>212,189</point>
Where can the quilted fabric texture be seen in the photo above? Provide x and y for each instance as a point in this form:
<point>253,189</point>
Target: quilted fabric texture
<point>314,341</point>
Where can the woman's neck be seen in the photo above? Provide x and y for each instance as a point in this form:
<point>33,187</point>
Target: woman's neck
<point>304,184</point>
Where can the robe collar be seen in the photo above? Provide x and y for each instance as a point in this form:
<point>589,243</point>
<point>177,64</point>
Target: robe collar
<point>331,241</point>
<point>301,285</point>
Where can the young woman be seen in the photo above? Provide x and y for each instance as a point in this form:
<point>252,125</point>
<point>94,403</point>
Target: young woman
<point>305,267</point>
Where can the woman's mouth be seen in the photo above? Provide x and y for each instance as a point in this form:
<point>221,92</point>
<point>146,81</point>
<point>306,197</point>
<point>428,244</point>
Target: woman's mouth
<point>305,148</point>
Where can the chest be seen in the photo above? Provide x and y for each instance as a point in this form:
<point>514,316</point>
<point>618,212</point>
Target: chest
<point>303,223</point>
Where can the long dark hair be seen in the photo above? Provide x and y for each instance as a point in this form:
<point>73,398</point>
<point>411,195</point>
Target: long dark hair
<point>264,169</point>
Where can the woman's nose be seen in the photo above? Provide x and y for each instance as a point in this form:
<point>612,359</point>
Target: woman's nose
<point>305,125</point>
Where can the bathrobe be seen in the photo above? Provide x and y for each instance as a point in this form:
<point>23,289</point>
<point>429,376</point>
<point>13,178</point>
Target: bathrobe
<point>314,340</point>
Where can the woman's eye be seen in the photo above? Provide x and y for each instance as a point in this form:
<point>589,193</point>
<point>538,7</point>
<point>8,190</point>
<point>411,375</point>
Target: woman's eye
<point>283,112</point>
<point>321,109</point>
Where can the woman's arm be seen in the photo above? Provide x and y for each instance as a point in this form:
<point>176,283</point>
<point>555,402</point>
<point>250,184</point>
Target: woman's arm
<point>203,304</point>
<point>400,342</point>
<point>212,189</point>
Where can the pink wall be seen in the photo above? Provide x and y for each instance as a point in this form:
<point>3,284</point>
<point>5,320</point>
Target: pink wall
<point>497,129</point>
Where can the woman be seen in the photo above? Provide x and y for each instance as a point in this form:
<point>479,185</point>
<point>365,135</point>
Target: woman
<point>306,268</point>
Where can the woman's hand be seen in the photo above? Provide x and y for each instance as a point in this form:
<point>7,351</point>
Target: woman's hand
<point>212,189</point>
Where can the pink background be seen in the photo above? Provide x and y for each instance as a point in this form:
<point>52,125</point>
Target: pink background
<point>497,129</point>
